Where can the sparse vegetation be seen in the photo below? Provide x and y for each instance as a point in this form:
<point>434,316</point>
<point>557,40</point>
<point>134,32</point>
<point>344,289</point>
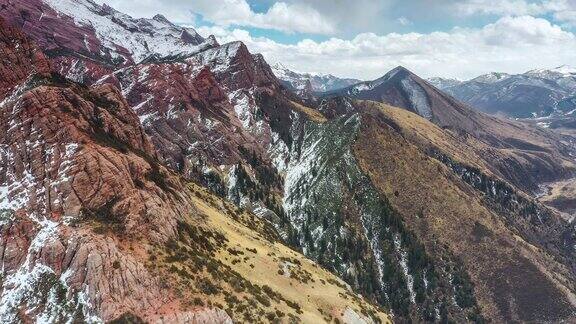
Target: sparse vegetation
<point>195,263</point>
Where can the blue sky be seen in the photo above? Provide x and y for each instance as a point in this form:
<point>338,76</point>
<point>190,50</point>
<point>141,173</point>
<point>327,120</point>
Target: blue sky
<point>365,38</point>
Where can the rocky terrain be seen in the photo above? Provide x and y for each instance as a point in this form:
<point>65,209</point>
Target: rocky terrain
<point>536,93</point>
<point>94,229</point>
<point>144,182</point>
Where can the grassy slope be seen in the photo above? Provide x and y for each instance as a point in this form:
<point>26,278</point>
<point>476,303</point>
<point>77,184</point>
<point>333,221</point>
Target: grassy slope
<point>237,264</point>
<point>512,278</point>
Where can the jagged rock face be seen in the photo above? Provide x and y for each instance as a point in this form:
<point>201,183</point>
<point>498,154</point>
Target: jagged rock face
<point>21,58</point>
<point>88,41</point>
<point>197,100</point>
<point>70,155</point>
<point>201,109</point>
<point>63,164</point>
<point>59,40</point>
<point>77,180</point>
<point>235,68</point>
<point>204,85</point>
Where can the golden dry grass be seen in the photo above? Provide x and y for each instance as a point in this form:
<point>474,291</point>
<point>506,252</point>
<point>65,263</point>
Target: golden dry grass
<point>427,135</point>
<point>305,292</point>
<point>511,164</point>
<point>442,211</point>
<point>313,114</point>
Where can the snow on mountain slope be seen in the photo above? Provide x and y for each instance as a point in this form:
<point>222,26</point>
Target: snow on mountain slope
<point>399,86</point>
<point>442,83</point>
<point>371,85</point>
<point>93,229</point>
<point>140,37</point>
<point>560,71</point>
<point>536,93</point>
<point>310,82</point>
<point>491,77</point>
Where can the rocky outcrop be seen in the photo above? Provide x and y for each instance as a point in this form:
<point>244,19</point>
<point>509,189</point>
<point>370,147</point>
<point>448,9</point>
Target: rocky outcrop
<point>21,58</point>
<point>87,41</point>
<point>71,157</point>
<point>196,100</point>
<point>93,228</point>
<point>76,165</point>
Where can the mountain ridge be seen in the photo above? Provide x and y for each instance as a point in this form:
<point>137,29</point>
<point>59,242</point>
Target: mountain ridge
<point>307,84</point>
<point>533,94</point>
<point>94,229</point>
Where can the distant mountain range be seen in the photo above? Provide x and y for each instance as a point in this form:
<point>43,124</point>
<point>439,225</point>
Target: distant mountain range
<point>536,93</point>
<point>308,83</point>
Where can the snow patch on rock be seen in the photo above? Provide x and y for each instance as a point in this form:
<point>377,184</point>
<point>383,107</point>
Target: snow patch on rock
<point>404,266</point>
<point>352,317</point>
<point>418,97</point>
<point>141,37</point>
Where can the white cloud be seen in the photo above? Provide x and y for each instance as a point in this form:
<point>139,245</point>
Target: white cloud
<point>514,43</point>
<point>288,17</point>
<point>283,16</point>
<point>404,21</point>
<point>562,10</point>
<point>567,16</point>
<point>510,31</point>
<point>501,7</point>
<point>511,44</point>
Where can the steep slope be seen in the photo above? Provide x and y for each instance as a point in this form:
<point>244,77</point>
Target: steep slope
<point>342,222</point>
<point>536,93</point>
<point>93,229</point>
<point>343,186</point>
<point>197,101</point>
<point>87,41</point>
<point>428,190</point>
<point>519,153</point>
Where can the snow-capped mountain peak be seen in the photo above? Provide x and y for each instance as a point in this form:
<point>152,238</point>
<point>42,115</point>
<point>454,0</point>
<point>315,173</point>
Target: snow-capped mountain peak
<point>565,69</point>
<point>536,93</point>
<point>443,83</point>
<point>492,77</point>
<point>557,72</point>
<point>310,81</point>
<point>125,37</point>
